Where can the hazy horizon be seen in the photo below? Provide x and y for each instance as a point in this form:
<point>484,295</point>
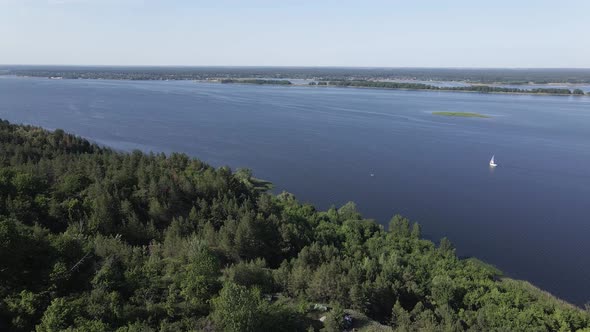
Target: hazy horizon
<point>263,33</point>
<point>277,66</point>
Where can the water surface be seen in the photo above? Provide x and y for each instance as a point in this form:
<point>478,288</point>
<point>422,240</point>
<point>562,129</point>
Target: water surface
<point>529,216</point>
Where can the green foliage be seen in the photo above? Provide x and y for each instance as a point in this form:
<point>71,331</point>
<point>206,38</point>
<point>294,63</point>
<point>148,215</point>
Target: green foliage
<point>334,320</point>
<point>23,308</point>
<point>237,308</point>
<point>400,318</point>
<point>58,316</point>
<point>95,240</point>
<point>251,274</point>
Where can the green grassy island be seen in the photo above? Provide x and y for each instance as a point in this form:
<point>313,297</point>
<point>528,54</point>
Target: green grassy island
<point>96,240</point>
<point>462,114</point>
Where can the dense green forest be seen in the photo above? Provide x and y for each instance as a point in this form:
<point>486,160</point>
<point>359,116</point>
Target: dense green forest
<point>97,240</point>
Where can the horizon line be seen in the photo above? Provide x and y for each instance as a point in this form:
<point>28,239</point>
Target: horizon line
<point>289,66</point>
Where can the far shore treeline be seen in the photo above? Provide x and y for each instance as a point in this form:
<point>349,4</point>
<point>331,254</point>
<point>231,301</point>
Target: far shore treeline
<point>413,86</point>
<point>479,80</point>
<point>473,88</point>
<point>96,240</point>
<point>256,81</point>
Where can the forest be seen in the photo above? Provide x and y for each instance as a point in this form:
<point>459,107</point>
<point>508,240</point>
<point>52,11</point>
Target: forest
<point>92,239</point>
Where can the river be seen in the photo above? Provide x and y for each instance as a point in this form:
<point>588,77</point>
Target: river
<point>383,149</point>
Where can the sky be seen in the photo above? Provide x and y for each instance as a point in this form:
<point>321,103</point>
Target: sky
<point>368,33</point>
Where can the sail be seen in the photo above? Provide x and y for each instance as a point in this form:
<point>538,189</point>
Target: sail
<point>492,160</point>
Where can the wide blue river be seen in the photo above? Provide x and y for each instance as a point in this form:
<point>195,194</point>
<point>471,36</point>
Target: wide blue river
<point>382,149</point>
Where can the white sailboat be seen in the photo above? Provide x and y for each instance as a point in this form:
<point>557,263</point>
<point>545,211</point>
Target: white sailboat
<point>492,162</point>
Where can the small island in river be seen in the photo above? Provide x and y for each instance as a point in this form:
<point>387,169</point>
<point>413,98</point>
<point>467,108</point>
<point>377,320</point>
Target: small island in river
<point>462,114</point>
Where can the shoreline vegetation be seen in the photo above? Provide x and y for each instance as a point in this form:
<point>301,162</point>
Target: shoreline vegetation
<point>255,81</point>
<point>470,88</point>
<point>97,240</point>
<point>382,85</point>
<point>409,86</point>
<point>462,114</point>
<point>475,80</point>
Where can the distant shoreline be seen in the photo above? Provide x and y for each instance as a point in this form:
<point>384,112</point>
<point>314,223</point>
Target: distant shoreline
<point>251,81</point>
<point>438,89</point>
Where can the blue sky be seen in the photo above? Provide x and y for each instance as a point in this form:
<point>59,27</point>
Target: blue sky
<point>420,33</point>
